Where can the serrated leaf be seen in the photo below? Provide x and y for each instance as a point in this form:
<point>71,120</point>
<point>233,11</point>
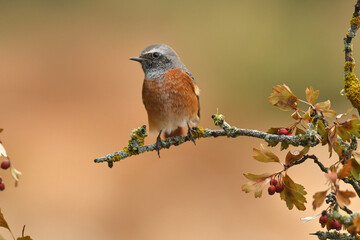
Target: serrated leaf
<point>299,131</point>
<point>347,128</point>
<point>284,146</point>
<point>319,199</point>
<point>323,133</point>
<point>265,155</point>
<point>311,95</point>
<point>292,157</point>
<point>343,197</point>
<point>293,194</point>
<point>257,177</point>
<point>331,175</point>
<point>324,107</point>
<point>345,170</point>
<point>355,172</point>
<point>283,98</point>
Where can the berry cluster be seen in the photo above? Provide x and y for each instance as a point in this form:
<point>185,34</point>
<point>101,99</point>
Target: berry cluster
<point>4,165</point>
<point>283,131</point>
<point>329,223</point>
<point>275,186</point>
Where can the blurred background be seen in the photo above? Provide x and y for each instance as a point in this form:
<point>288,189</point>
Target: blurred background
<point>69,94</point>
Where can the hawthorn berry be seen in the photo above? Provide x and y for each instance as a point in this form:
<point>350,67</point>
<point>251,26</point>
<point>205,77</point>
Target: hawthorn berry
<point>279,187</point>
<point>273,181</point>
<point>5,164</point>
<point>334,224</point>
<point>323,219</point>
<point>282,131</point>
<point>2,186</point>
<point>271,190</point>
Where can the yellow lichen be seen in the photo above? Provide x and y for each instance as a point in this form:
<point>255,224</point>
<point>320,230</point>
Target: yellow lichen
<point>199,132</point>
<point>352,85</point>
<point>355,21</point>
<point>116,158</point>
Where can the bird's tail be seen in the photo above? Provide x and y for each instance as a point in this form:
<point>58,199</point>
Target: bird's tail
<point>177,132</point>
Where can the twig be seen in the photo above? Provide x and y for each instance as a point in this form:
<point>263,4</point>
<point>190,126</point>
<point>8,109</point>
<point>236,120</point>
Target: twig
<point>333,235</point>
<point>136,143</point>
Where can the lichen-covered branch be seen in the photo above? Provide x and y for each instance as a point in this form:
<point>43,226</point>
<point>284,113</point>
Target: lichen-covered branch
<point>322,235</point>
<point>136,143</point>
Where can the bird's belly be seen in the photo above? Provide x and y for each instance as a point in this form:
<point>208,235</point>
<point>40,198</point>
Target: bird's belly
<point>170,103</point>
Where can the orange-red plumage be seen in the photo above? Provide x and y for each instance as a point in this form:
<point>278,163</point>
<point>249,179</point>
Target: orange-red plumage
<point>171,101</point>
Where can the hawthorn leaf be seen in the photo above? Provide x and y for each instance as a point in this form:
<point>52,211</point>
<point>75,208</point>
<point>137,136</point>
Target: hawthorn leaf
<point>3,222</point>
<point>299,131</point>
<point>319,199</point>
<point>256,183</point>
<point>296,115</point>
<point>351,126</point>
<point>283,98</point>
<point>265,155</point>
<point>257,177</point>
<point>343,197</point>
<point>15,174</point>
<point>284,146</point>
<point>293,194</point>
<point>324,107</point>
<point>355,227</point>
<point>322,131</point>
<point>311,95</point>
<point>345,170</point>
<point>248,187</point>
<point>292,157</point>
<point>355,172</point>
<point>331,175</point>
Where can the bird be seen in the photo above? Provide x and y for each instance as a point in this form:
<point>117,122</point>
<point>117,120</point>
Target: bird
<point>169,93</point>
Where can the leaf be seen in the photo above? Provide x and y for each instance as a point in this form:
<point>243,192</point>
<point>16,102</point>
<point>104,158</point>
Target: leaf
<point>293,194</point>
<point>284,146</point>
<point>351,126</point>
<point>3,222</point>
<point>311,95</point>
<point>292,157</point>
<point>324,107</point>
<point>257,177</point>
<point>2,150</point>
<point>299,131</point>
<point>355,227</point>
<point>283,98</point>
<point>2,238</point>
<point>345,170</point>
<point>319,199</point>
<point>24,238</point>
<point>343,197</point>
<point>332,137</point>
<point>15,174</point>
<point>256,184</point>
<point>331,176</point>
<point>322,131</point>
<point>355,172</point>
<point>265,155</point>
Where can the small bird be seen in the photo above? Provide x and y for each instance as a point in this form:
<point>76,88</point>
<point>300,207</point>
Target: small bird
<point>169,93</point>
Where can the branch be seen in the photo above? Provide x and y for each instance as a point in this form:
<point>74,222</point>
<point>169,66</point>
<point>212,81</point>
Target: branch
<point>333,235</point>
<point>136,143</point>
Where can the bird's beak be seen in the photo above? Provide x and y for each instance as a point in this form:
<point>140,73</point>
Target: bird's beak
<point>138,59</point>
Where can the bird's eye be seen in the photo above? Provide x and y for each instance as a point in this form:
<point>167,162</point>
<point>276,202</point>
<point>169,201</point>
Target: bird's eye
<point>156,55</point>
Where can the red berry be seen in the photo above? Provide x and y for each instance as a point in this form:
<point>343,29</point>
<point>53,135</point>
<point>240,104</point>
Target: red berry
<point>323,219</point>
<point>5,164</point>
<point>334,224</point>
<point>279,187</point>
<point>2,186</point>
<point>282,131</point>
<point>0,179</point>
<point>271,190</point>
<point>273,181</point>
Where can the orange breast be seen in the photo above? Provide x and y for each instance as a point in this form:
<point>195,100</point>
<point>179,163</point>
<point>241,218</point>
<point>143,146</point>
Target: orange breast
<point>171,101</point>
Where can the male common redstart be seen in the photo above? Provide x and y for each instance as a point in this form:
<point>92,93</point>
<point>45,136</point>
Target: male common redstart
<point>170,94</point>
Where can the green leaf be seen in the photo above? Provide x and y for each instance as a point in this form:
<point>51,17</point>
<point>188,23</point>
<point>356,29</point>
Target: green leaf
<point>293,194</point>
<point>265,155</point>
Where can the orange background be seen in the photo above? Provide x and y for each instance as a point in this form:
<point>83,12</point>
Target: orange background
<point>69,94</point>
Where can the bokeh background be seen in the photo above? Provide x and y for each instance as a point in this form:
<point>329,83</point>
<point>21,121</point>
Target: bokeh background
<point>69,94</point>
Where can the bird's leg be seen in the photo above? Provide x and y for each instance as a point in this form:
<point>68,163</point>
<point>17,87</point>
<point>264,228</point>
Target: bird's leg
<point>158,143</point>
<point>190,134</point>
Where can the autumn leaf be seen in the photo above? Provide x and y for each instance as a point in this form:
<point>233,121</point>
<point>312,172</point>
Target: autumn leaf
<point>283,98</point>
<point>332,138</point>
<point>351,126</point>
<point>311,95</point>
<point>343,197</point>
<point>355,227</point>
<point>292,157</point>
<point>324,107</point>
<point>265,155</point>
<point>345,170</point>
<point>256,183</point>
<point>331,175</point>
<point>293,194</point>
<point>299,131</point>
<point>2,150</point>
<point>3,222</point>
<point>319,199</point>
<point>322,131</point>
<point>15,174</point>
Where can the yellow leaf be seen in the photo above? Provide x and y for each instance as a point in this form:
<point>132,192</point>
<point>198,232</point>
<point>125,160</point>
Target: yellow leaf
<point>293,194</point>
<point>319,198</point>
<point>311,95</point>
<point>265,155</point>
<point>283,98</point>
<point>324,107</point>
